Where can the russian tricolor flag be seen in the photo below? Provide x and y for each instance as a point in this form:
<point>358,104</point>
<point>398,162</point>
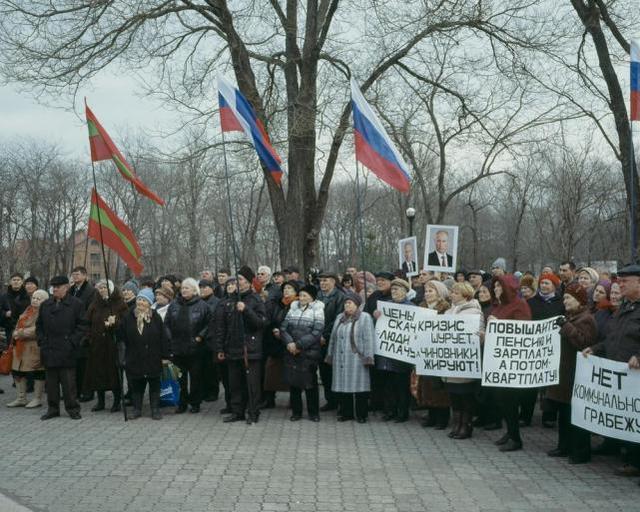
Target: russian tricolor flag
<point>374,148</point>
<point>635,80</point>
<point>237,115</point>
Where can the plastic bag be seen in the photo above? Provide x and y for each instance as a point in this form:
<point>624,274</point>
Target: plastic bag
<point>169,385</point>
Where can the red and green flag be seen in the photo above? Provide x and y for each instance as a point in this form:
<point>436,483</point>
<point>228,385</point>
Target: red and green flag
<point>103,148</point>
<point>108,229</point>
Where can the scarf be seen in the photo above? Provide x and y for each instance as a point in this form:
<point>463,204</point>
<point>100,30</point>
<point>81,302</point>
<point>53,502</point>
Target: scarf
<point>288,300</point>
<point>352,334</point>
<point>141,318</point>
<point>546,296</point>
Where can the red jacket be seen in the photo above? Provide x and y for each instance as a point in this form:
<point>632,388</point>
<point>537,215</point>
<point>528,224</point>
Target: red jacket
<point>510,306</point>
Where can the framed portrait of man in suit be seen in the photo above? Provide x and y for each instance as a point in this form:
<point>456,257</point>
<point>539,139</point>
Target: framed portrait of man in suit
<point>441,248</point>
<point>408,256</point>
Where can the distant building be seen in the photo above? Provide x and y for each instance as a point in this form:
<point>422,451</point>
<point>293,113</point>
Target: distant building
<point>88,253</point>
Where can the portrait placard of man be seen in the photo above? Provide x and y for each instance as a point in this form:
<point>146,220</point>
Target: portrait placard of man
<point>442,248</point>
<point>408,256</point>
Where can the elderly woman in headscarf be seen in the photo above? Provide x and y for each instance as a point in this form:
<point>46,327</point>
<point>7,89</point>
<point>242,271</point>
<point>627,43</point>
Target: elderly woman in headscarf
<point>395,376</point>
<point>104,315</point>
<point>431,392</point>
<point>26,354</point>
<point>351,354</point>
<point>588,277</point>
<point>146,343</point>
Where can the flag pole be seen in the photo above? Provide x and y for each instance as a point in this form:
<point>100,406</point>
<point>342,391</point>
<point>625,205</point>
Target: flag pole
<point>361,228</point>
<point>633,198</point>
<point>106,276</point>
<point>234,250</point>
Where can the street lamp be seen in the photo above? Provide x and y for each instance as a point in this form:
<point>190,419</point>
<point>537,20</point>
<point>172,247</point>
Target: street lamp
<point>411,214</point>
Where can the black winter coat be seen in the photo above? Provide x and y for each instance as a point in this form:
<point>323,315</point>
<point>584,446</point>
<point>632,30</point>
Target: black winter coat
<point>276,313</point>
<point>622,334</point>
<point>333,306</point>
<point>212,301</point>
<point>185,320</point>
<point>542,309</point>
<point>16,302</point>
<point>230,337</point>
<point>372,302</point>
<point>144,352</point>
<point>61,328</point>
<point>84,293</point>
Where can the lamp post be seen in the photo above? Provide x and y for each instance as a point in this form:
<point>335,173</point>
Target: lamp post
<point>411,215</point>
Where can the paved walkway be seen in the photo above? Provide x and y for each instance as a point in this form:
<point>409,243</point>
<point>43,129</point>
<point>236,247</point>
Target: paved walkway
<point>196,463</point>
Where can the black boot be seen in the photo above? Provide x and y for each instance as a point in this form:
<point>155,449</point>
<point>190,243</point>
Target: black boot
<point>117,401</point>
<point>136,399</point>
<point>100,405</point>
<point>442,418</point>
<point>154,400</point>
<point>429,420</point>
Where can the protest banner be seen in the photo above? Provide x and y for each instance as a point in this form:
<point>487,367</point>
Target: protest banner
<point>521,354</point>
<point>450,347</point>
<point>398,329</point>
<point>606,398</point>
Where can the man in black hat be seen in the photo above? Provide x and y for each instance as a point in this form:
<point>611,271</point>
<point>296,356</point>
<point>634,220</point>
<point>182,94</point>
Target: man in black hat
<point>475,278</point>
<point>333,299</point>
<point>61,327</point>
<point>622,343</point>
<point>239,324</point>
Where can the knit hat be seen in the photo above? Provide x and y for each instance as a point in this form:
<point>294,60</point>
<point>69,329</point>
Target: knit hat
<point>353,297</point>
<point>550,277</point>
<point>528,281</point>
<point>606,284</point>
<point>578,293</point>
<point>131,286</point>
<point>402,283</point>
<point>499,263</point>
<point>166,292</point>
<point>311,290</point>
<point>593,274</point>
<point>247,273</point>
<point>440,288</point>
<point>293,284</point>
<point>33,280</point>
<point>146,294</point>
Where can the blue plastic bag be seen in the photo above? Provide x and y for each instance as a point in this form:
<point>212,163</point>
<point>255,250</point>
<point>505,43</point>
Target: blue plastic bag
<point>169,386</point>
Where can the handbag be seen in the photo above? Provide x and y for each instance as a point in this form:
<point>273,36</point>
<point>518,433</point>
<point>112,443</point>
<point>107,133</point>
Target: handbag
<point>6,360</point>
<point>169,385</point>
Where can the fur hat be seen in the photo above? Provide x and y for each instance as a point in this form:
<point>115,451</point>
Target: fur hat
<point>311,290</point>
<point>247,273</point>
<point>402,283</point>
<point>33,280</point>
<point>550,277</point>
<point>166,292</point>
<point>528,281</point>
<point>578,293</point>
<point>293,284</point>
<point>353,297</point>
<point>593,274</point>
<point>109,284</point>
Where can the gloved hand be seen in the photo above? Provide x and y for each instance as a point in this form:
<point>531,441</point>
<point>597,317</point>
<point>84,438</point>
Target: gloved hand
<point>560,321</point>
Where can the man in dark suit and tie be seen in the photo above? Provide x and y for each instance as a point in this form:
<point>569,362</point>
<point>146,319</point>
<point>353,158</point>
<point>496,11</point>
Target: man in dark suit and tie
<point>408,264</point>
<point>440,257</point>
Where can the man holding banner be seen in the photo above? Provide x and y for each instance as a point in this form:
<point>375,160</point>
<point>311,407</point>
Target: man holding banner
<point>622,344</point>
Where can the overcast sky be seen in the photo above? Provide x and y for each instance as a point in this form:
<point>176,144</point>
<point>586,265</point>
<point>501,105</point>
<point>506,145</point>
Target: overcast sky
<point>112,99</point>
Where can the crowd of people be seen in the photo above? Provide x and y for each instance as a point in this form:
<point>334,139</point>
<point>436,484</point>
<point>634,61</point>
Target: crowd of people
<point>249,336</point>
